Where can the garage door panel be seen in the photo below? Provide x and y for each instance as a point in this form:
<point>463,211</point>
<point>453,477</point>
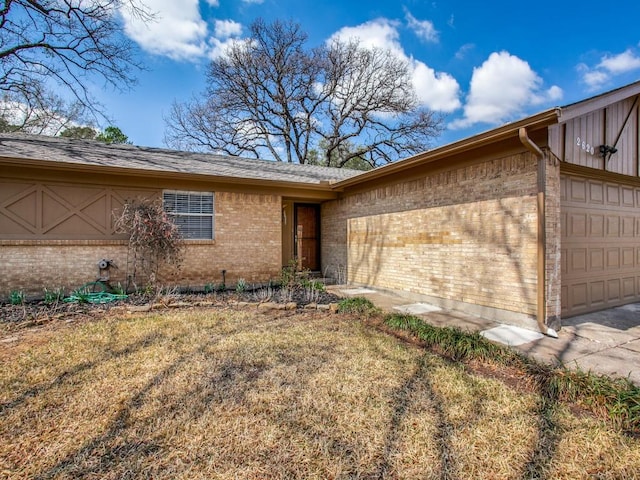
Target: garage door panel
<point>629,290</point>
<point>596,259</point>
<point>627,257</point>
<point>613,195</point>
<point>578,297</point>
<point>577,224</point>
<point>614,291</point>
<point>596,225</point>
<point>613,258</point>
<point>578,260</point>
<point>600,250</point>
<point>613,226</point>
<point>597,293</point>
<point>628,226</point>
<point>596,193</point>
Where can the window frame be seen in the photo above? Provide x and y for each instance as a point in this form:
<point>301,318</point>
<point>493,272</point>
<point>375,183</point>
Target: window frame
<point>174,215</point>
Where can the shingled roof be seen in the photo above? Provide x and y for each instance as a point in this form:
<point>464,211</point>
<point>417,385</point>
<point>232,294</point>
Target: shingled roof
<point>93,153</point>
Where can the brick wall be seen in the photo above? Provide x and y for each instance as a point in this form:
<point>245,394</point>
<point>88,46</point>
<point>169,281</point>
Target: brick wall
<point>247,245</point>
<point>31,266</point>
<point>553,285</point>
<point>468,234</point>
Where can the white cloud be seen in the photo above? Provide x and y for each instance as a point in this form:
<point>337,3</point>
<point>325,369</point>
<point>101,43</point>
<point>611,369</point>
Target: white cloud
<point>593,78</point>
<point>379,33</point>
<point>217,47</point>
<point>436,90</point>
<point>502,88</point>
<point>462,51</point>
<point>608,67</point>
<point>423,29</point>
<point>227,28</point>
<point>621,63</point>
<point>178,31</point>
<point>256,2</point>
<point>451,21</point>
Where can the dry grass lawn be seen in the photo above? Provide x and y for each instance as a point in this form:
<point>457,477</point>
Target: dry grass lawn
<point>223,394</point>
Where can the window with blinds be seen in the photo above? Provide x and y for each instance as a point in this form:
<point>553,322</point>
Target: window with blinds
<point>192,212</point>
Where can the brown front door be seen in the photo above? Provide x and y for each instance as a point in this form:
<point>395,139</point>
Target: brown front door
<point>307,236</point>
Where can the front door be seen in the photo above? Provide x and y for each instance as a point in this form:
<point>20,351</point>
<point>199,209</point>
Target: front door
<point>307,236</point>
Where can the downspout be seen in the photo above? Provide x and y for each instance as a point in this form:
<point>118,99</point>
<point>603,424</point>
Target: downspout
<point>542,166</point>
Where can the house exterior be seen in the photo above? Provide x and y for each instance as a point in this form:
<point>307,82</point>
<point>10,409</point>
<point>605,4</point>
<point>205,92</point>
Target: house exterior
<point>59,199</point>
<point>527,223</point>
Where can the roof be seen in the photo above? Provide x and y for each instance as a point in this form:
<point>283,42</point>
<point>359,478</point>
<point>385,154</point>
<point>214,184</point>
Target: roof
<point>540,120</point>
<point>58,151</point>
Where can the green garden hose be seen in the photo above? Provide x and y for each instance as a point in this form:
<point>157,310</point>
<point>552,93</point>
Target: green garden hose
<point>88,294</point>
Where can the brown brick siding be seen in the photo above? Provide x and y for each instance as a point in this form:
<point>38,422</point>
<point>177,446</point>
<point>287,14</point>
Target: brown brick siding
<point>467,234</point>
<point>247,245</point>
<point>32,266</point>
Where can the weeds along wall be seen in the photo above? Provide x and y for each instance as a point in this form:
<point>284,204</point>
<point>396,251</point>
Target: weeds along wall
<point>53,234</point>
<point>465,234</point>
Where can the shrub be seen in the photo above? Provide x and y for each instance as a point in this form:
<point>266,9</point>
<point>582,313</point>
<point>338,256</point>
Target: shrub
<point>16,297</point>
<point>154,239</point>
<point>53,296</point>
<point>358,305</point>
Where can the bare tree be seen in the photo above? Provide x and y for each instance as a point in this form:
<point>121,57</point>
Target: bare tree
<point>270,96</point>
<point>66,44</point>
<point>41,112</point>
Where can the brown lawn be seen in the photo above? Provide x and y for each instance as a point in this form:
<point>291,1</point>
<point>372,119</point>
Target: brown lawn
<point>224,394</point>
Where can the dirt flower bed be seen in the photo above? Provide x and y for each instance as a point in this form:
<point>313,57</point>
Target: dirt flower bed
<point>37,313</point>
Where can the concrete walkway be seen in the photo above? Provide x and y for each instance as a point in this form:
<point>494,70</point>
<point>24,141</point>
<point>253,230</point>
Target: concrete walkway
<point>606,342</point>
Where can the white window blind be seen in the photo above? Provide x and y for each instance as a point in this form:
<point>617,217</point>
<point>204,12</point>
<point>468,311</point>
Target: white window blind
<point>192,212</point>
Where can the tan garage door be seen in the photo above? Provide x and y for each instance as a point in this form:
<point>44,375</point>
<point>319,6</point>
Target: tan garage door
<point>600,244</point>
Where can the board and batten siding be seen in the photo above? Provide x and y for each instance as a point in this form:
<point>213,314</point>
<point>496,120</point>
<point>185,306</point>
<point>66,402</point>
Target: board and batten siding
<point>615,125</point>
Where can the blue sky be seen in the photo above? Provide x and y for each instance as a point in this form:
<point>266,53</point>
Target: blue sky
<point>481,64</point>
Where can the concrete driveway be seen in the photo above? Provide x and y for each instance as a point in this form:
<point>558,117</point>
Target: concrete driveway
<point>605,342</point>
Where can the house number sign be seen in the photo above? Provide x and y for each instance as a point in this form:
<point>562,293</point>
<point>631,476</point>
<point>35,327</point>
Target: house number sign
<point>587,147</point>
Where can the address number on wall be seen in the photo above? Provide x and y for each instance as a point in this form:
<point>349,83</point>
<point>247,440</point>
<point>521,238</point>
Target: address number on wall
<point>587,147</point>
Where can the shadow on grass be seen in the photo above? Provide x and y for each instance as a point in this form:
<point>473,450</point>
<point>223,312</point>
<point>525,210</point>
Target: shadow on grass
<point>226,383</point>
<point>420,379</point>
<point>98,455</point>
<point>456,346</point>
<point>547,440</point>
<point>68,375</point>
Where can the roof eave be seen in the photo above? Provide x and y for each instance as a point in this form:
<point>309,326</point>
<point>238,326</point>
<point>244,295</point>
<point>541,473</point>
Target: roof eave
<point>322,185</point>
<point>600,101</point>
<point>540,120</point>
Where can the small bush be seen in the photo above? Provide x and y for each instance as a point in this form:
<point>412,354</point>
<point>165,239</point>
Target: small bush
<point>154,239</point>
<point>358,305</point>
<point>16,297</point>
<point>53,296</point>
<point>452,342</point>
<point>241,285</point>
